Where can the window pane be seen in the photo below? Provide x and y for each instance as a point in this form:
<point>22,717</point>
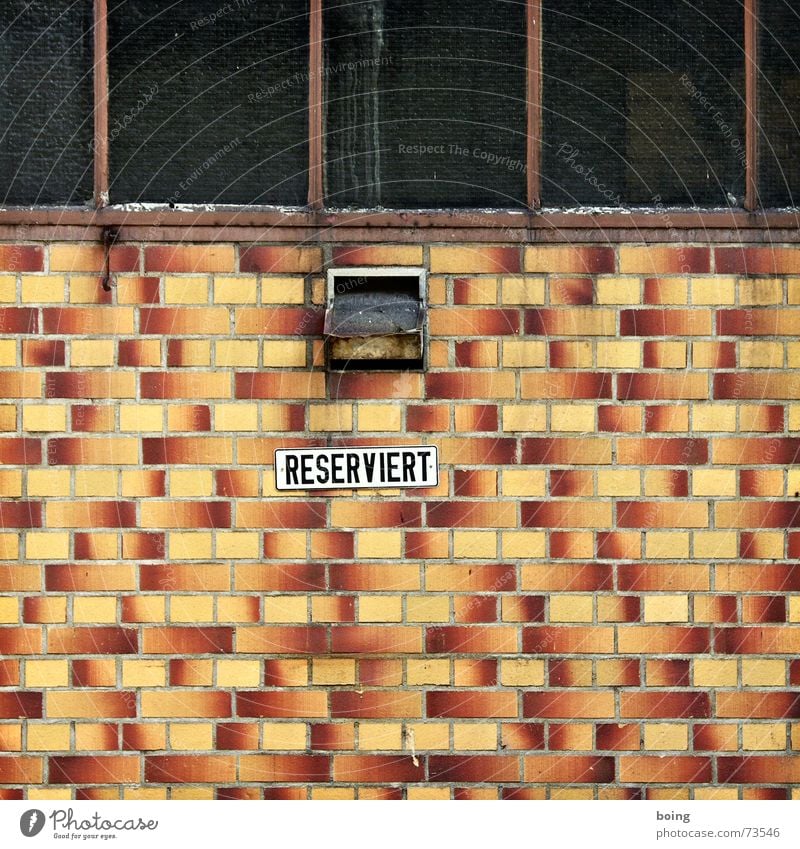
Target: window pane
<point>46,113</point>
<point>643,102</point>
<point>779,103</point>
<point>425,103</point>
<point>209,101</point>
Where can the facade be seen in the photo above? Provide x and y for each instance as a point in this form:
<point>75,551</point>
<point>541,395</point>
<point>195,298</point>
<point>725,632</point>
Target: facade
<point>600,599</point>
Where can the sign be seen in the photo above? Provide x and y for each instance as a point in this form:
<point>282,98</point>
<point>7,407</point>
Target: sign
<point>355,468</point>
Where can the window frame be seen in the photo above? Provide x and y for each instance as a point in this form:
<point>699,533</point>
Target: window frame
<point>320,223</point>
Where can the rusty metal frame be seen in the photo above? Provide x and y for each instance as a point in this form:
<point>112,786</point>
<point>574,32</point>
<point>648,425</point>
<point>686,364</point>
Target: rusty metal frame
<point>533,16</point>
<point>320,225</point>
<point>101,139</point>
<point>751,102</point>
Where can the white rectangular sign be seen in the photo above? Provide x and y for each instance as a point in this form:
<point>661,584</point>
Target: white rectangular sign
<point>355,468</point>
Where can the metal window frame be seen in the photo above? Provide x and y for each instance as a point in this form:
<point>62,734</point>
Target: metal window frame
<point>316,224</point>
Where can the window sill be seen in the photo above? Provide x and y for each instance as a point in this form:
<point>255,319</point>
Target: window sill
<point>204,223</point>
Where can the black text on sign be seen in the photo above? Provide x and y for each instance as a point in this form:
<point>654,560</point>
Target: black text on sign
<point>355,468</point>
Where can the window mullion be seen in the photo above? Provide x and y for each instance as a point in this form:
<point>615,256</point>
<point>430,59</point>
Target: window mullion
<point>751,102</point>
<point>534,105</point>
<point>315,59</point>
<point>100,103</point>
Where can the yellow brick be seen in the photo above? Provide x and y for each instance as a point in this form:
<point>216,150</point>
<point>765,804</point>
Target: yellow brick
<point>44,417</point>
<point>714,482</point>
<point>284,354</point>
<point>473,736</point>
<point>428,794</point>
<point>763,673</point>
<point>522,673</point>
<point>523,544</point>
<point>767,736</point>
<point>286,608</point>
<point>49,794</point>
<point>191,736</point>
<point>333,671</point>
<point>189,546</point>
<point>191,608</point>
<point>43,289</point>
<point>380,608</point>
<point>238,545</point>
<point>8,288</point>
<point>134,483</point>
<point>94,609</point>
<point>379,417</point>
<point>9,610</point>
<point>524,417</point>
<point>673,290</point>
<point>672,354</point>
<point>283,290</point>
<point>714,673</point>
<point>144,673</point>
<point>666,608</point>
<point>427,608</point>
<point>793,614</point>
<point>760,354</point>
<point>197,352</point>
<point>715,544</point>
<point>380,543</point>
<point>9,547</point>
<point>428,735</point>
<point>571,608</point>
<point>618,290</point>
<point>238,352</point>
<point>236,417</point>
<point>428,672</point>
<point>46,546</point>
<point>619,482</point>
<point>141,417</point>
<point>190,482</point>
<point>473,544</point>
<point>666,736</point>
<point>794,417</point>
<point>153,609</point>
<point>380,736</point>
<point>793,354</point>
<point>48,482</point>
<point>284,736</point>
<point>239,673</point>
<point>330,417</point>
<point>95,352</point>
<point>713,418</point>
<point>236,290</point>
<point>48,738</point>
<point>524,353</point>
<point>667,545</point>
<point>10,483</point>
<point>95,482</point>
<point>186,290</point>
<point>522,290</point>
<point>524,482</point>
<point>573,417</point>
<point>184,794</point>
<point>713,290</point>
<point>8,352</point>
<point>715,793</point>
<point>626,354</point>
<point>760,291</point>
<point>46,673</point>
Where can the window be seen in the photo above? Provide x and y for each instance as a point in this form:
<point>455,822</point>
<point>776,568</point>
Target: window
<point>401,104</point>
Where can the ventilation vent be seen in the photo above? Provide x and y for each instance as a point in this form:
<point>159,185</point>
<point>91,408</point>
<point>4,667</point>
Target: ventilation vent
<point>375,318</point>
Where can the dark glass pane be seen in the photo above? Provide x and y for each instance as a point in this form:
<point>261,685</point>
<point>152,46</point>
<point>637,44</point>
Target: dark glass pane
<point>643,102</point>
<point>425,103</point>
<point>209,101</point>
<point>779,103</point>
<point>46,113</point>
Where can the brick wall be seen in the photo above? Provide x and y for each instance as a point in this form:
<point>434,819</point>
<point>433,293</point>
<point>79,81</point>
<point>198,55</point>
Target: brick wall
<point>599,600</point>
